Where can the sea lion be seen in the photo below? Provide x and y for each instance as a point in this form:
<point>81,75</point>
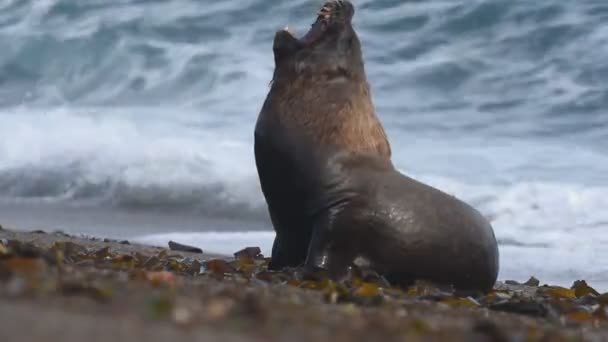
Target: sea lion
<point>334,195</point>
<point>319,98</point>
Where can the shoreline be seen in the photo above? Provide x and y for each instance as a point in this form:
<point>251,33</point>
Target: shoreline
<point>107,289</point>
<point>561,264</point>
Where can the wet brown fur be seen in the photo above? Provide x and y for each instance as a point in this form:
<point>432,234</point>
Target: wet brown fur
<point>330,114</point>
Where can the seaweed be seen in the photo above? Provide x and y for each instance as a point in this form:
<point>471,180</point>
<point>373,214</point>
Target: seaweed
<point>240,298</point>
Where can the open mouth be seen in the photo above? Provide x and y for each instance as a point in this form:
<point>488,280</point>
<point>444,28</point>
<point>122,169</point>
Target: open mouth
<point>331,12</point>
<point>315,32</point>
<point>319,26</point>
<point>326,15</point>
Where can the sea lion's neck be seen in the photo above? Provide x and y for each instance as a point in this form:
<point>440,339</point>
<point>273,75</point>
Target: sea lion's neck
<point>331,111</point>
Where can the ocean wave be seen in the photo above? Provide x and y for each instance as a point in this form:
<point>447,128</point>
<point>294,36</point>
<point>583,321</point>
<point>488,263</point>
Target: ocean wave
<point>539,57</point>
<point>61,156</point>
<point>115,161</point>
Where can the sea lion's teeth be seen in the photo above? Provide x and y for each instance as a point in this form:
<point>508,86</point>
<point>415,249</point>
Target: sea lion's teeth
<point>325,10</point>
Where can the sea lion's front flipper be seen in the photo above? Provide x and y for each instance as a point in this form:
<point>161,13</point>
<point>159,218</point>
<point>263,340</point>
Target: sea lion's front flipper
<point>328,249</point>
<point>277,168</point>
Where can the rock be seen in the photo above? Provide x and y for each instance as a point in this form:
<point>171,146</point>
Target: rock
<point>581,289</point>
<point>532,282</point>
<point>174,246</point>
<point>60,233</point>
<point>248,253</point>
<point>512,282</point>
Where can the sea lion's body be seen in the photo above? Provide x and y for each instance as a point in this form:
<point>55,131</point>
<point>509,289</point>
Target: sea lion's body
<point>325,170</point>
<point>404,229</point>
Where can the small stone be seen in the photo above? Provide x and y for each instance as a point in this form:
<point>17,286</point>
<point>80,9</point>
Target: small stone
<point>248,253</point>
<point>182,315</point>
<point>523,307</point>
<point>219,267</point>
<point>194,268</point>
<point>218,309</point>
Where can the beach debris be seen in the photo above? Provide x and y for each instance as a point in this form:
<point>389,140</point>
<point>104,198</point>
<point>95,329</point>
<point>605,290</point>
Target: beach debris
<point>165,282</point>
<point>60,233</point>
<point>532,282</point>
<point>467,302</point>
<point>182,315</point>
<point>79,288</point>
<point>557,292</point>
<point>25,266</point>
<point>430,291</point>
<point>219,308</point>
<point>158,278</point>
<point>581,288</point>
<point>490,331</point>
<point>521,306</point>
<point>368,290</point>
<point>249,253</point>
<point>219,268</point>
<point>174,246</point>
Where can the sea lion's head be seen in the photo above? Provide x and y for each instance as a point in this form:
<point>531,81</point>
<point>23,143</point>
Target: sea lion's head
<point>330,47</point>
